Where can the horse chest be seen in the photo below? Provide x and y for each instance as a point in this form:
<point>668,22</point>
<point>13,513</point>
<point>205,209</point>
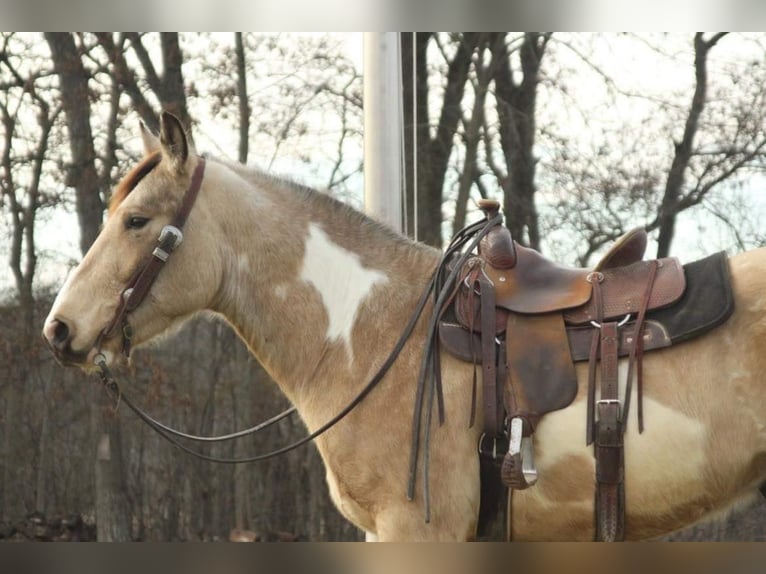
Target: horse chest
<point>347,502</point>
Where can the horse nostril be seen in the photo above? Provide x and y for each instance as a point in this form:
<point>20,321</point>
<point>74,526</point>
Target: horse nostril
<point>58,334</point>
<point>61,332</point>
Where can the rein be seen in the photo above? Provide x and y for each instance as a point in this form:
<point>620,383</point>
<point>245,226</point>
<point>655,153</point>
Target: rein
<point>112,387</point>
<point>171,237</point>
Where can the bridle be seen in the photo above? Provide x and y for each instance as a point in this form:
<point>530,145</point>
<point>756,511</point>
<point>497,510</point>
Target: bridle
<point>442,285</point>
<point>131,298</point>
<point>142,280</point>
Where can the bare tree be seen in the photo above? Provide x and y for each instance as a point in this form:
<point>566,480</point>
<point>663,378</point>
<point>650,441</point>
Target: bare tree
<point>516,111</point>
<point>167,87</point>
<point>667,159</point>
<point>24,152</point>
<point>673,199</point>
<point>111,502</point>
<point>434,151</point>
<point>472,137</point>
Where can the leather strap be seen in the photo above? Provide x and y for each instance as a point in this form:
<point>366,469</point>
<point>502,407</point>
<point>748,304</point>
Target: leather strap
<point>595,278</point>
<point>191,194</point>
<point>443,286</point>
<point>636,353</point>
<point>492,407</point>
<point>609,451</point>
<point>139,285</point>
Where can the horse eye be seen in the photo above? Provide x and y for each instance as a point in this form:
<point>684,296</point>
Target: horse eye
<point>136,222</point>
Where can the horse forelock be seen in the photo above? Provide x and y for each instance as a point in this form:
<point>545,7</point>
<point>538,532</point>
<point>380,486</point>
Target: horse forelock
<point>132,179</point>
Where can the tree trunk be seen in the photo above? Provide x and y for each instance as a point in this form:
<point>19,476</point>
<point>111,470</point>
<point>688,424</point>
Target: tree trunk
<point>432,168</point>
<point>73,82</point>
<point>472,138</point>
<point>113,521</point>
<point>516,103</point>
<point>173,91</point>
<point>429,198</point>
<point>112,512</point>
<point>669,208</point>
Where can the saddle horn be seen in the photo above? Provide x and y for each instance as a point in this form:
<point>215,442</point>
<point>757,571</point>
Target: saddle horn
<point>497,247</point>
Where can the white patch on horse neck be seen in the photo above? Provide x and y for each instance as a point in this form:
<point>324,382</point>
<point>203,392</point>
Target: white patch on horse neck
<point>281,291</point>
<point>243,263</point>
<point>342,282</point>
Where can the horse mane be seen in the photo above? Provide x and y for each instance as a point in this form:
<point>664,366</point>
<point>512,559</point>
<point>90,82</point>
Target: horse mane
<point>132,179</point>
<point>323,201</point>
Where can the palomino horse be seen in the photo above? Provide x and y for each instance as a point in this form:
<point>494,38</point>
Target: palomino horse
<point>320,294</point>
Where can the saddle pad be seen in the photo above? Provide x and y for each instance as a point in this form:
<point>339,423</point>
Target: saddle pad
<point>707,303</point>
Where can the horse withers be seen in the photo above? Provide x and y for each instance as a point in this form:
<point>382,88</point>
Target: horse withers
<point>320,294</point>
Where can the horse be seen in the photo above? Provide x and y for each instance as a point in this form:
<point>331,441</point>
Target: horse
<point>320,293</point>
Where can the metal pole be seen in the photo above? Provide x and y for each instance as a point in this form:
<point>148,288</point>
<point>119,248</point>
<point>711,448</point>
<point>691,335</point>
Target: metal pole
<point>383,146</point>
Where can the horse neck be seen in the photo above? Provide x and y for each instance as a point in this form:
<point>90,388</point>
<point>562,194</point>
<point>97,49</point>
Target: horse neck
<point>313,287</point>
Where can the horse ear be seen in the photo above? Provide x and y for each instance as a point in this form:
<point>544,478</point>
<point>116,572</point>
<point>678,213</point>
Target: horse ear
<point>173,140</point>
<point>151,141</point>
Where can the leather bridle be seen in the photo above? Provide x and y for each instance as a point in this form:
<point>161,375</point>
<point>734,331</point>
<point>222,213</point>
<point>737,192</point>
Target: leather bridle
<point>133,295</point>
<point>142,280</point>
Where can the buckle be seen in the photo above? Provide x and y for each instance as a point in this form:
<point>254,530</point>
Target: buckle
<point>497,448</point>
<point>624,320</point>
<point>171,231</point>
<point>607,402</point>
<point>170,238</point>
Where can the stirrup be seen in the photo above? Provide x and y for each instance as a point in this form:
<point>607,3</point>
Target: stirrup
<point>518,470</point>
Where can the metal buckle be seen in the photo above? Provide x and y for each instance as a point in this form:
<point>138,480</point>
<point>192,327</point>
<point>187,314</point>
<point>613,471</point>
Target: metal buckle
<point>162,251</point>
<point>494,453</point>
<point>161,254</point>
<point>624,320</point>
<point>127,293</point>
<point>171,230</point>
<point>615,402</point>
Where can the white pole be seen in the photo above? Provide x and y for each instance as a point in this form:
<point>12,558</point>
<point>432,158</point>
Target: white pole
<point>383,128</point>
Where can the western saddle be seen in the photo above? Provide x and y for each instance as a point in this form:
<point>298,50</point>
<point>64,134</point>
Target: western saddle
<point>526,320</point>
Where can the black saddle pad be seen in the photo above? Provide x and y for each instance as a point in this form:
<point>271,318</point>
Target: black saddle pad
<point>707,302</point>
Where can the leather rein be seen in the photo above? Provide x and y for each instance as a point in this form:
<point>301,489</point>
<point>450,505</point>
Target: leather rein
<point>142,280</point>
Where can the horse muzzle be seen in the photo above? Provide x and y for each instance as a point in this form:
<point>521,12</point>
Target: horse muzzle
<point>59,335</point>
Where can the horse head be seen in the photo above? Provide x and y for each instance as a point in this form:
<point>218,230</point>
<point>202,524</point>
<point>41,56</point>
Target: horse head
<point>106,306</point>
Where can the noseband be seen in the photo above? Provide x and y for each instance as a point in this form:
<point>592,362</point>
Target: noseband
<point>142,280</point>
